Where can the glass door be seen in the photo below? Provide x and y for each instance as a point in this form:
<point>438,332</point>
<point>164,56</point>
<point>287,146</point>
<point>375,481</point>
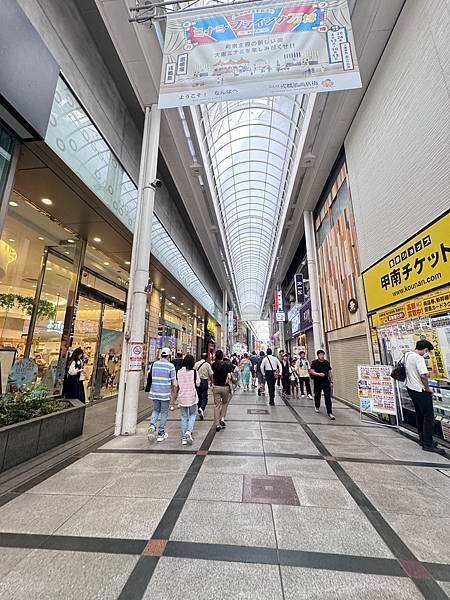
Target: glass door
<point>110,353</point>
<point>87,332</point>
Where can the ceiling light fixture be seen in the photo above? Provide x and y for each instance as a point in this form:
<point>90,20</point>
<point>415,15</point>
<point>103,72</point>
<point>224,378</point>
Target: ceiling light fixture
<point>173,297</point>
<point>41,238</point>
<point>11,240</point>
<point>106,264</point>
<point>163,289</point>
<point>47,201</point>
<point>12,203</point>
<point>97,240</point>
<point>71,241</point>
<point>127,262</point>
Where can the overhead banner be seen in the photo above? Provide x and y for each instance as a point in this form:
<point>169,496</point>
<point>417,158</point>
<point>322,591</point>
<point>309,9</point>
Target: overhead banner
<point>419,265</point>
<point>268,48</point>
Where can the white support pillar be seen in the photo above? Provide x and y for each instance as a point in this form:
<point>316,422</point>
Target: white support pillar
<point>224,331</point>
<point>314,288</point>
<point>128,395</point>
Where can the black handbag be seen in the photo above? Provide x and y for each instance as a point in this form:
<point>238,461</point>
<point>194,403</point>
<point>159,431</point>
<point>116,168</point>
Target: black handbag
<point>399,371</point>
<point>148,385</point>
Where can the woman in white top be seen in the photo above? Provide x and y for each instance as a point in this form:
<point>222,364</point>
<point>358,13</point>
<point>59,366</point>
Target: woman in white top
<point>302,368</point>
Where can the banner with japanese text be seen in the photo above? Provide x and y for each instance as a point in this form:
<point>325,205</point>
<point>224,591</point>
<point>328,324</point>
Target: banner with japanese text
<point>261,49</point>
<point>421,264</point>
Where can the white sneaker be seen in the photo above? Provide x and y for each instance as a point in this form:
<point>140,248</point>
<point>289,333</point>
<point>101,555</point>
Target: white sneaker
<point>332,417</point>
<point>172,407</point>
<point>303,395</point>
<point>309,396</point>
<point>316,409</point>
<point>183,441</point>
<point>189,438</point>
<point>151,434</point>
<point>162,436</point>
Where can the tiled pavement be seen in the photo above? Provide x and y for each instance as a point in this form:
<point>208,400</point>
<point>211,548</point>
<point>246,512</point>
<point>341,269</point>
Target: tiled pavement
<point>282,505</point>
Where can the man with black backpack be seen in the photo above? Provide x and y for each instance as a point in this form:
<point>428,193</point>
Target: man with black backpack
<point>420,393</point>
<point>205,372</point>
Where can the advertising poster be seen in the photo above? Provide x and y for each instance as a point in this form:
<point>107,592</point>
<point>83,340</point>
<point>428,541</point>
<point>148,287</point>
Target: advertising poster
<point>376,391</point>
<point>418,266</point>
<point>261,49</point>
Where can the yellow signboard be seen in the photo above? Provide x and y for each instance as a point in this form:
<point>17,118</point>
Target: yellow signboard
<point>428,304</point>
<point>418,266</point>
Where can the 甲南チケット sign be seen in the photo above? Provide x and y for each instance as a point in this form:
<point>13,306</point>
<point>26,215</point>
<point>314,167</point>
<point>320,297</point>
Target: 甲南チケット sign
<point>273,48</point>
<point>421,264</point>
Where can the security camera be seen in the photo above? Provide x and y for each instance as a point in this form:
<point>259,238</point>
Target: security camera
<point>156,184</point>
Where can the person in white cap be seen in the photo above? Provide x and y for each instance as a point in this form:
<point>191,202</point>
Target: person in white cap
<point>162,384</point>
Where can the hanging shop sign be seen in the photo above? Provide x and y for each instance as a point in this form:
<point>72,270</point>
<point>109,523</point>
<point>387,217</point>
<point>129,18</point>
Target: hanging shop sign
<point>376,390</point>
<point>299,289</point>
<point>268,48</point>
<point>294,318</point>
<point>426,305</point>
<point>230,321</point>
<point>280,316</point>
<point>419,265</point>
<point>306,321</point>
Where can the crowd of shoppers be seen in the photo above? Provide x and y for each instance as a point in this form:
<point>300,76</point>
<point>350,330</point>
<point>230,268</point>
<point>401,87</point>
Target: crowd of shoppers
<point>184,383</point>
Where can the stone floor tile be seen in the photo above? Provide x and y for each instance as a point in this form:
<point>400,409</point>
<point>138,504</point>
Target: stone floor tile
<point>445,585</point>
<point>236,445</point>
<point>237,432</point>
<point>301,446</point>
<point>10,558</point>
<point>318,584</point>
<point>97,462</point>
<point>163,463</point>
<point>389,474</point>
<point>323,493</point>
<point>299,467</point>
<point>225,523</point>
<point>348,450</point>
<point>428,537</point>
<point>133,518</point>
<point>39,513</point>
<point>431,476</point>
<point>145,485</point>
<point>217,486</point>
<point>246,465</point>
<point>51,575</point>
<point>177,578</point>
<point>420,500</point>
<point>414,453</point>
<point>327,530</point>
<point>74,483</point>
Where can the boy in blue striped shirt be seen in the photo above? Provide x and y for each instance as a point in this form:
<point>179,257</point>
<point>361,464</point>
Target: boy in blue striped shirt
<point>164,382</point>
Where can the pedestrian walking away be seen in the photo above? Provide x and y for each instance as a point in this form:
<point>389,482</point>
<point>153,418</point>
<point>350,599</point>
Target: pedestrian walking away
<point>221,388</point>
<point>271,369</point>
<point>177,363</point>
<point>302,367</point>
<point>286,375</point>
<point>246,369</point>
<point>205,372</point>
<point>188,383</point>
<point>322,375</point>
<point>260,374</point>
<point>418,388</point>
<point>254,361</point>
<point>162,385</point>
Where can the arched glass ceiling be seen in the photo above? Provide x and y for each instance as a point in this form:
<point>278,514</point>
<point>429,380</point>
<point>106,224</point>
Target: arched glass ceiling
<point>251,146</point>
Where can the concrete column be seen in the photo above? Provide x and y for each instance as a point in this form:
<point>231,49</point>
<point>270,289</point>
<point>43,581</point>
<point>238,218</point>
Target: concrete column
<point>130,375</point>
<point>224,331</point>
<point>314,288</point>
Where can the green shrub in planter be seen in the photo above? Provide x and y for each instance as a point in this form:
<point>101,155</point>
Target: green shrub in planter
<point>21,406</point>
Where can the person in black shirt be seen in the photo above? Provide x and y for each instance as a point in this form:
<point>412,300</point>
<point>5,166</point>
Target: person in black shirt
<point>322,376</point>
<point>221,389</point>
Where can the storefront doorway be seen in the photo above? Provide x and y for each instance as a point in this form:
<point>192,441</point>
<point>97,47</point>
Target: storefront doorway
<point>98,330</point>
